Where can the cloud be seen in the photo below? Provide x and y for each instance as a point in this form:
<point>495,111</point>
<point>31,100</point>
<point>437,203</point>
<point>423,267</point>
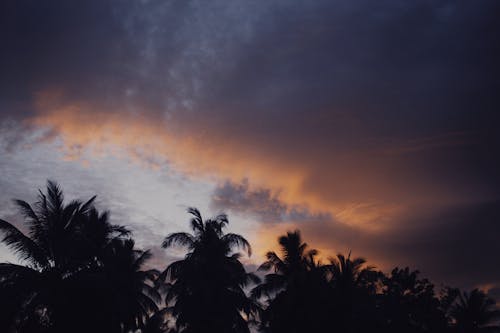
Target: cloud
<point>322,95</point>
<point>369,113</point>
<point>260,203</point>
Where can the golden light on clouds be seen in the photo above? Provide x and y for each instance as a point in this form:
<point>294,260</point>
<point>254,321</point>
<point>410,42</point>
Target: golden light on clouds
<point>85,127</point>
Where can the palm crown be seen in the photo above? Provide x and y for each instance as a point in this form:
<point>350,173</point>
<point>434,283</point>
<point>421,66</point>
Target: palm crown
<point>66,250</point>
<point>474,312</point>
<point>206,291</point>
<point>296,260</point>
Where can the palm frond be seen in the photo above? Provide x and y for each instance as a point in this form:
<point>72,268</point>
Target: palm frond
<point>235,240</point>
<point>273,261</point>
<point>119,229</point>
<point>23,245</point>
<point>26,210</point>
<point>197,220</point>
<point>15,272</point>
<point>55,196</point>
<point>43,207</point>
<point>68,213</point>
<point>143,257</point>
<point>152,293</point>
<point>35,222</point>
<point>221,220</point>
<point>173,270</point>
<point>179,238</point>
<point>273,283</point>
<point>84,208</point>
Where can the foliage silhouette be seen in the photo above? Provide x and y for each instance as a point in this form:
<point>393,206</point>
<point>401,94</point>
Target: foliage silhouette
<point>410,304</point>
<point>71,252</point>
<point>294,291</point>
<point>473,312</point>
<point>206,293</point>
<point>79,273</point>
<point>353,293</point>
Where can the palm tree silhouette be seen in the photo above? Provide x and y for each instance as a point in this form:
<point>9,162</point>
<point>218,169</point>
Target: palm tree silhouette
<point>206,290</point>
<point>119,293</point>
<point>47,251</point>
<point>289,269</point>
<point>354,293</point>
<point>474,312</point>
<point>64,252</point>
<point>351,274</point>
<point>80,273</point>
<point>408,303</point>
<point>295,290</point>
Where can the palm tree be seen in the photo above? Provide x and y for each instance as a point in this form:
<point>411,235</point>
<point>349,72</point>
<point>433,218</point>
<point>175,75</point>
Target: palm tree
<point>474,312</point>
<point>117,295</point>
<point>408,303</point>
<point>295,291</point>
<point>349,274</point>
<point>95,234</point>
<point>289,269</point>
<point>206,287</point>
<point>353,286</point>
<point>46,250</point>
<point>63,252</point>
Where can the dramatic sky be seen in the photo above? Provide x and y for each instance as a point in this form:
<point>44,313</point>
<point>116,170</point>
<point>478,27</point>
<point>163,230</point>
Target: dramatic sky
<point>371,126</point>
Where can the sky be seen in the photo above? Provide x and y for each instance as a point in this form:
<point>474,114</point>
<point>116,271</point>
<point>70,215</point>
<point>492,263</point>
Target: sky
<point>371,126</point>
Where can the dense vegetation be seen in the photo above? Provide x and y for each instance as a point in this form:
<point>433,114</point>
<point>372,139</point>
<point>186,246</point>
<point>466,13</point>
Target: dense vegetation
<point>80,273</point>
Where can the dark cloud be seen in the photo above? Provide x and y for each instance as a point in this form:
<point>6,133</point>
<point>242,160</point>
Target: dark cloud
<point>327,85</point>
<point>260,203</point>
<point>238,198</point>
<point>341,73</point>
<point>91,50</point>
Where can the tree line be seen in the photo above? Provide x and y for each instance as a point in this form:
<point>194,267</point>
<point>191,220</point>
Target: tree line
<point>78,272</point>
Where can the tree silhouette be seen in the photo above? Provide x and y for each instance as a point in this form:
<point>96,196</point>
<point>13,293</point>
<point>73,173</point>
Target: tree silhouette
<point>474,312</point>
<point>47,251</point>
<point>80,273</point>
<point>409,304</point>
<point>352,299</point>
<point>350,274</point>
<point>116,296</point>
<point>69,253</point>
<point>288,270</point>
<point>206,290</point>
<point>296,291</point>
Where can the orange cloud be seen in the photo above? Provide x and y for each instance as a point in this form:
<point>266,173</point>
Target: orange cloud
<point>208,153</point>
<point>82,126</point>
